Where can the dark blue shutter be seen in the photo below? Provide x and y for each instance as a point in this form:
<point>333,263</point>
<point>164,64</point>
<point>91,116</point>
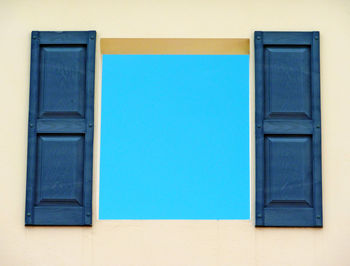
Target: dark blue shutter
<point>288,129</point>
<point>60,130</point>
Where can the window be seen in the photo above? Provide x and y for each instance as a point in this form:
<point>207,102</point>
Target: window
<point>175,129</point>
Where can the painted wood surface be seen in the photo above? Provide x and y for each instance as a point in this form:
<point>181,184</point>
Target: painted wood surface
<point>288,129</point>
<point>60,130</point>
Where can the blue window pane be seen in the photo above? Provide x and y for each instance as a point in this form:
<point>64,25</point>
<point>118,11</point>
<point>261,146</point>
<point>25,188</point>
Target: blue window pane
<point>175,137</point>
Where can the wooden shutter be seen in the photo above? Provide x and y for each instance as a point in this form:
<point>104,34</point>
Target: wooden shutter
<point>288,129</point>
<point>60,130</point>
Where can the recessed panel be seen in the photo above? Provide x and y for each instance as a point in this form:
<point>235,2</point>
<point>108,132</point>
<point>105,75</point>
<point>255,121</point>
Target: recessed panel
<point>62,81</point>
<point>60,169</point>
<point>288,171</point>
<point>287,82</point>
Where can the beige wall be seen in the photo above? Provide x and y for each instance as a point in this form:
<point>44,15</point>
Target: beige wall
<point>174,242</point>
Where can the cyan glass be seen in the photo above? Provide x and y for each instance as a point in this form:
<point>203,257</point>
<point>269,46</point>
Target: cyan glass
<point>175,137</point>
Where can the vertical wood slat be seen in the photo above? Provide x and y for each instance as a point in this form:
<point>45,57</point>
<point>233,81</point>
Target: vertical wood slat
<point>316,113</point>
<point>259,117</point>
<point>90,79</point>
<point>32,143</point>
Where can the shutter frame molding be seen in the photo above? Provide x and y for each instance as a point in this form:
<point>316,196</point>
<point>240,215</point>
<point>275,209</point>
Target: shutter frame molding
<point>288,129</point>
<point>60,128</point>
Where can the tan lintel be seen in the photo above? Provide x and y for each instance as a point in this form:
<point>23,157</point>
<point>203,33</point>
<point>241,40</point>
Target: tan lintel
<point>207,46</point>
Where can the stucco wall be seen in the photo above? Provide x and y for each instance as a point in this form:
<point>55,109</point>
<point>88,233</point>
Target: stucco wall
<point>174,242</point>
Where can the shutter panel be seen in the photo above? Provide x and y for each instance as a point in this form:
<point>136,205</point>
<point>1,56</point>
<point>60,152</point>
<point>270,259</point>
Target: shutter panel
<point>288,129</point>
<point>60,131</point>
